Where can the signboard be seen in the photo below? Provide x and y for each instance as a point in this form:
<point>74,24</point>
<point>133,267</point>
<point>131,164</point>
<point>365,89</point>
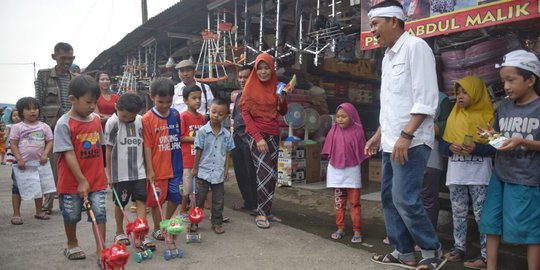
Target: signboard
<point>465,19</point>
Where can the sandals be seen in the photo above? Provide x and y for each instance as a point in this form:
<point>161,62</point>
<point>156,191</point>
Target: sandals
<point>122,239</point>
<point>42,216</point>
<point>389,259</point>
<point>476,263</point>
<point>455,255</point>
<point>431,264</point>
<point>74,253</point>
<point>262,222</point>
<point>148,244</point>
<point>16,221</point>
<point>218,229</point>
<point>158,235</point>
<point>337,235</point>
<point>273,218</point>
<point>356,239</point>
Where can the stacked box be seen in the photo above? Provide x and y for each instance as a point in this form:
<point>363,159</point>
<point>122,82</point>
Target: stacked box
<point>291,163</point>
<point>375,166</point>
<point>313,163</point>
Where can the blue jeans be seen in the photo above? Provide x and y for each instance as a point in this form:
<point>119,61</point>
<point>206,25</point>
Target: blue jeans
<point>406,219</point>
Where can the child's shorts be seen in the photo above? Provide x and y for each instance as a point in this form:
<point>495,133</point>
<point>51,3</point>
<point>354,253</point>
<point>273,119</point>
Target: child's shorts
<point>166,190</point>
<point>136,190</point>
<point>187,184</point>
<point>511,211</point>
<point>71,207</point>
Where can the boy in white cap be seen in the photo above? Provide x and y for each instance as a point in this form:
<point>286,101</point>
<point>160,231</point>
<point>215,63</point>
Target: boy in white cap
<point>186,72</point>
<point>513,199</point>
<point>409,99</point>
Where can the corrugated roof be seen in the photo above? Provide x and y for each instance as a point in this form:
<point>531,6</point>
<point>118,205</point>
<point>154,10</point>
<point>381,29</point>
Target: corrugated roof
<point>186,16</point>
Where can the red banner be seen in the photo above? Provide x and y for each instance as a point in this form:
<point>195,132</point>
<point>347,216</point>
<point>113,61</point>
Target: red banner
<point>465,19</point>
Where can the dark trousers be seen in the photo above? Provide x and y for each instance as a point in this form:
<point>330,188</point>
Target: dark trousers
<point>244,170</point>
<point>218,192</point>
<point>430,194</point>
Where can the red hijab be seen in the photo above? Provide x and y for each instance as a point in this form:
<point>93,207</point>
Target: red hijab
<point>260,98</point>
<point>341,143</point>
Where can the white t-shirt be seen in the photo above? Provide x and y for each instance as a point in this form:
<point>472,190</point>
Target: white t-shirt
<point>178,99</point>
<point>468,170</point>
<point>127,158</point>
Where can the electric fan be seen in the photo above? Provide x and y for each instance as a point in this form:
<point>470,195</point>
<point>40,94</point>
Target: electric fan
<point>324,127</point>
<point>294,119</point>
<point>311,123</point>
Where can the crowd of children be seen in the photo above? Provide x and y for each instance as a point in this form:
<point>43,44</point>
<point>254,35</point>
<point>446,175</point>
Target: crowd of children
<point>163,151</point>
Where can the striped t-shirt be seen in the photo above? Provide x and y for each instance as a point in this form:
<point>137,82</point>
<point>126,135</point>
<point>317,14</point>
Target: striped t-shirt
<point>127,158</point>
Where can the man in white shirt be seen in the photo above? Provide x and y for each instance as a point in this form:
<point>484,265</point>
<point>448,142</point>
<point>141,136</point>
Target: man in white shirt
<point>409,97</point>
<point>186,72</point>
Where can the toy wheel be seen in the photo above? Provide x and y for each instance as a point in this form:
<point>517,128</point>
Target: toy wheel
<point>138,257</point>
<point>149,253</point>
<point>167,255</point>
<point>180,253</point>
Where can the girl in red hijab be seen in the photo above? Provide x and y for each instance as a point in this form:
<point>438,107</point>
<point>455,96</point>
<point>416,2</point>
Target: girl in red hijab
<point>344,146</point>
<point>260,106</point>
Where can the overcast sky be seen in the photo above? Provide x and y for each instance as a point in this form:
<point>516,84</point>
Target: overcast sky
<point>30,29</point>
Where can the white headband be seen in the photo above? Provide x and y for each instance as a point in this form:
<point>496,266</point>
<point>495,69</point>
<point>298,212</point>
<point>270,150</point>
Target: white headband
<point>391,11</point>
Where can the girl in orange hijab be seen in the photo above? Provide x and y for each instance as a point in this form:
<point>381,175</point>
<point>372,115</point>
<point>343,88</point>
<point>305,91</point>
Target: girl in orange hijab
<point>260,106</point>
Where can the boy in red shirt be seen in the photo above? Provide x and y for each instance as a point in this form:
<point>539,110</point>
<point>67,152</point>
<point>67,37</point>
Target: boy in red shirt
<point>81,175</point>
<point>162,152</point>
<point>191,122</point>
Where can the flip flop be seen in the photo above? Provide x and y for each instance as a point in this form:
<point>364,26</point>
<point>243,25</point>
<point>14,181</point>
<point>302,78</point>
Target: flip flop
<point>337,235</point>
<point>16,221</point>
<point>273,218</point>
<point>262,222</point>
<point>42,216</point>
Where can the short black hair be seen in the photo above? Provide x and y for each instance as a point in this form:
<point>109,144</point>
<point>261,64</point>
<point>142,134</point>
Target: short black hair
<point>26,103</point>
<point>190,89</point>
<point>130,102</point>
<point>62,46</point>
<point>162,87</point>
<point>527,75</point>
<point>99,74</point>
<point>221,102</point>
<point>246,67</point>
<point>83,84</point>
<point>390,3</point>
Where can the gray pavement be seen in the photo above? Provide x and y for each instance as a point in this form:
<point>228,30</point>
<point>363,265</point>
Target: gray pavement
<point>39,244</point>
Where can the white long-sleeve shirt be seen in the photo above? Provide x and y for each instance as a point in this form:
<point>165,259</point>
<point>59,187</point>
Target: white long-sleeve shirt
<point>408,86</point>
<point>178,99</point>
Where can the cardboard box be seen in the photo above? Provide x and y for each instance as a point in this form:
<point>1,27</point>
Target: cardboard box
<point>375,166</point>
<point>313,162</point>
<point>291,171</point>
<point>291,150</point>
<point>324,169</point>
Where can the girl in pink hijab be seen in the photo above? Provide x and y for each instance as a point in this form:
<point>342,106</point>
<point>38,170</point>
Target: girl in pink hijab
<point>344,146</point>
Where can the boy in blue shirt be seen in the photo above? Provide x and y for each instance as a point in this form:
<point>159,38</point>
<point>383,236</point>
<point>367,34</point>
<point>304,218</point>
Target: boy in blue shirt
<point>213,144</point>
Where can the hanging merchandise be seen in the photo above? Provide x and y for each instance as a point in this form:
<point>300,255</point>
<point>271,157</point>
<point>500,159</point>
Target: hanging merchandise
<point>128,82</point>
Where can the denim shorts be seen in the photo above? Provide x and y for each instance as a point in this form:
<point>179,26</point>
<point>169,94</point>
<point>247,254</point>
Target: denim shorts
<point>71,207</point>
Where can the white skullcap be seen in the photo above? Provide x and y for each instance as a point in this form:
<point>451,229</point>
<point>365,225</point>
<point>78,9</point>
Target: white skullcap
<point>391,11</point>
<point>521,59</point>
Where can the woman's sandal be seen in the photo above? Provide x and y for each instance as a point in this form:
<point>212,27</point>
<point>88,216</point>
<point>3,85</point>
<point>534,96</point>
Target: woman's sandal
<point>262,222</point>
<point>389,259</point>
<point>273,218</point>
<point>337,235</point>
<point>431,264</point>
<point>122,239</point>
<point>74,253</point>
